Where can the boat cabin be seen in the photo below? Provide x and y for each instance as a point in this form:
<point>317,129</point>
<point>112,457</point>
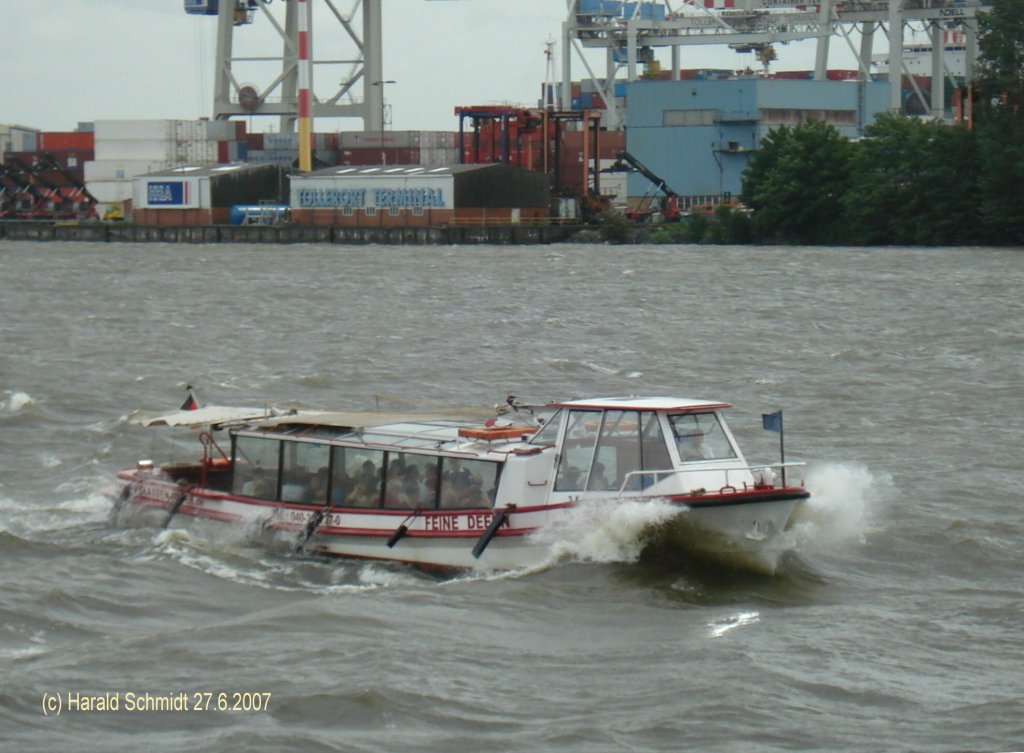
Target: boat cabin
<point>592,448</point>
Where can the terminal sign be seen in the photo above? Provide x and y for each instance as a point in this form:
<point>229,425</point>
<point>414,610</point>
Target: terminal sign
<point>361,198</point>
<point>167,193</point>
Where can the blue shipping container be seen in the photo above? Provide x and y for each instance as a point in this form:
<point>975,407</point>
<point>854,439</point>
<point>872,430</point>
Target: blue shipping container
<point>202,7</point>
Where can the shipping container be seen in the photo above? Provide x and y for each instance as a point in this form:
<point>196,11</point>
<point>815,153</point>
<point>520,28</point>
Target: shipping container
<point>54,141</point>
<point>110,191</point>
<point>152,150</point>
<point>151,130</point>
<point>113,170</point>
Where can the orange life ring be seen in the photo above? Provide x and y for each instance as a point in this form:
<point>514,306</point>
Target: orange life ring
<point>490,433</point>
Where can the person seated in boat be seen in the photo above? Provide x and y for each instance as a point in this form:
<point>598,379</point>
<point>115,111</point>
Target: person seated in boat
<point>458,476</point>
<point>412,488</point>
<point>342,487</point>
<point>295,486</point>
<point>368,473</point>
<point>364,494</point>
<point>393,485</point>
<point>693,448</point>
<point>474,495</point>
<point>257,485</point>
<point>598,479</point>
<point>428,491</point>
<point>317,491</point>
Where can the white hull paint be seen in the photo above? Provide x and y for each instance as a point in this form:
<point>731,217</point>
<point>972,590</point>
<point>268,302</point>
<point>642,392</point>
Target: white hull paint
<point>742,531</point>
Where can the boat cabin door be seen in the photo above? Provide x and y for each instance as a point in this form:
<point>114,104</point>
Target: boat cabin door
<point>602,453</point>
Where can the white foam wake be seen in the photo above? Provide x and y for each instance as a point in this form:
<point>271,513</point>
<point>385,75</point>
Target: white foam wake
<point>843,500</point>
<point>16,402</point>
<point>608,530</point>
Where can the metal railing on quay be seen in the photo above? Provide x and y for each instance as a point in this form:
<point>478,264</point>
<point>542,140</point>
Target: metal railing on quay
<point>528,221</point>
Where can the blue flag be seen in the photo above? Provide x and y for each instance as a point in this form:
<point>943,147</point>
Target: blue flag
<point>772,421</point>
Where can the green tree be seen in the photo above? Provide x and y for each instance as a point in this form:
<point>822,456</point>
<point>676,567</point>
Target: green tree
<point>913,182</point>
<point>1000,121</point>
<point>795,183</point>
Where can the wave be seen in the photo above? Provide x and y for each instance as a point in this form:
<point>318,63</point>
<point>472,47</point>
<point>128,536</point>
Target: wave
<point>17,401</point>
<point>841,509</point>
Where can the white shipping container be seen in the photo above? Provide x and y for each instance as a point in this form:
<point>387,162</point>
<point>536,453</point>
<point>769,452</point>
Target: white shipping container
<point>281,141</point>
<point>110,191</point>
<point>156,151</point>
<point>271,157</point>
<point>439,156</point>
<point>219,130</point>
<point>364,139</point>
<point>614,186</point>
<point>146,130</point>
<point>103,170</point>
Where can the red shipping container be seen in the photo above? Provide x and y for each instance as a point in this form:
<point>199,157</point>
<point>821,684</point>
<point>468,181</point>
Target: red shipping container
<point>50,141</point>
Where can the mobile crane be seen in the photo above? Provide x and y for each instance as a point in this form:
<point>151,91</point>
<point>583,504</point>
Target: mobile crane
<point>642,213</point>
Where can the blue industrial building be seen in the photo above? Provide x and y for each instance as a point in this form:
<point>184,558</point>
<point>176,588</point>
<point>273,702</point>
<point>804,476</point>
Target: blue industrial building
<point>699,135</point>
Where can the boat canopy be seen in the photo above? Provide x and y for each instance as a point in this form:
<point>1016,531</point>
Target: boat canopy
<point>672,404</point>
<point>210,415</point>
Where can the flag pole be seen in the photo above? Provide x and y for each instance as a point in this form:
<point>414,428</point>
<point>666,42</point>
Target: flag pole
<point>782,448</point>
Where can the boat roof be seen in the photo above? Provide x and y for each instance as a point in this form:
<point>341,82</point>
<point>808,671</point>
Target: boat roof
<point>207,415</point>
<point>643,403</point>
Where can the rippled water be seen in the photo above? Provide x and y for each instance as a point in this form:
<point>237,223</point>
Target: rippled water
<point>894,624</point>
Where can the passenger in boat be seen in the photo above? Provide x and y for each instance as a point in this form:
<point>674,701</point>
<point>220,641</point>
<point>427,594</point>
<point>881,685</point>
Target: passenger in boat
<point>412,488</point>
<point>342,488</point>
<point>295,487</point>
<point>598,479</point>
<point>429,490</point>
<point>364,494</point>
<point>317,491</point>
<point>257,485</point>
<point>458,476</point>
<point>393,485</point>
<point>694,448</point>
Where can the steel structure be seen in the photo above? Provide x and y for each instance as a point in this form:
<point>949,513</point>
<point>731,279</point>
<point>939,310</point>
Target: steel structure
<point>629,32</point>
<point>359,31</point>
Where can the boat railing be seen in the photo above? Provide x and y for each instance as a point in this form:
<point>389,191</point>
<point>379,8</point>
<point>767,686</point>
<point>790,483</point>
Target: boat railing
<point>766,476</point>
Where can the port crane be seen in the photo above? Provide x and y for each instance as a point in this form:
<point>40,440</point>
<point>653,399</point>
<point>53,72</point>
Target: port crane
<point>630,32</point>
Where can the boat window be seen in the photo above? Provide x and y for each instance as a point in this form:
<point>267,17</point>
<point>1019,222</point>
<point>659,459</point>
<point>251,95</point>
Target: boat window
<point>304,472</point>
<point>256,461</point>
<point>618,451</point>
<point>468,483</point>
<point>411,481</point>
<point>577,450</point>
<point>700,436</point>
<point>548,434</point>
<point>356,474</point>
<point>653,449</point>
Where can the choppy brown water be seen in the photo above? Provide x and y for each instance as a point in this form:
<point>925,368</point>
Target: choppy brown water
<point>895,623</point>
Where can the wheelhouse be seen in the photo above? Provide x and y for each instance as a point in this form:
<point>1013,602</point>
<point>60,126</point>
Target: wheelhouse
<point>619,445</point>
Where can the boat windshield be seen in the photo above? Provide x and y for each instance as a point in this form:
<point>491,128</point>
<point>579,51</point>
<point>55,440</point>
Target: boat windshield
<point>700,436</point>
<point>548,434</point>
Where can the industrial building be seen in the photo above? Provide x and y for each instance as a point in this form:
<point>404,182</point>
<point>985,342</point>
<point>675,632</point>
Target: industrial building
<point>205,194</point>
<point>418,195</point>
<point>701,134</point>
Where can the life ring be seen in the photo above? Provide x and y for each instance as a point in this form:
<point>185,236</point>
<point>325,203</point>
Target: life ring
<point>491,433</point>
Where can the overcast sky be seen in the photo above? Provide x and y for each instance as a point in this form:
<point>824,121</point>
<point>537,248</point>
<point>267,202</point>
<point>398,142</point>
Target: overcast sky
<point>66,61</point>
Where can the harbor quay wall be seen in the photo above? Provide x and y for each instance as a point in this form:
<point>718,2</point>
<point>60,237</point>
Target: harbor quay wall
<point>97,232</point>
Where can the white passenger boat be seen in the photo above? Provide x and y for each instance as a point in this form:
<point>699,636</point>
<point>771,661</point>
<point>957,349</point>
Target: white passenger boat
<point>456,493</point>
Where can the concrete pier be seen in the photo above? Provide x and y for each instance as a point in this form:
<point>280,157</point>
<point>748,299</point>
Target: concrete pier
<point>116,232</point>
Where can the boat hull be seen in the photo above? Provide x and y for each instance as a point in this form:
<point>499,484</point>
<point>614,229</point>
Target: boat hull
<point>744,527</point>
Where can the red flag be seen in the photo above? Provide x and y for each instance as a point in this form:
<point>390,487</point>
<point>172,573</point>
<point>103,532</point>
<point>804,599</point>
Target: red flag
<point>190,402</point>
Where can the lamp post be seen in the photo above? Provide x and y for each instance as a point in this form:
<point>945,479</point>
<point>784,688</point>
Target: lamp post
<point>382,84</point>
